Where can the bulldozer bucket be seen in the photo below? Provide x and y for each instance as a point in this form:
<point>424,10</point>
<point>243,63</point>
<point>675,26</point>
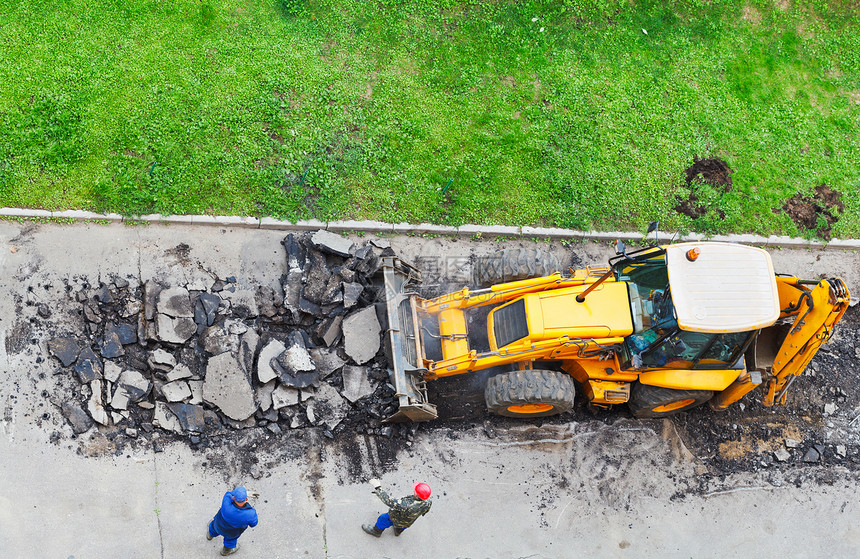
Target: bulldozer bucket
<point>403,342</point>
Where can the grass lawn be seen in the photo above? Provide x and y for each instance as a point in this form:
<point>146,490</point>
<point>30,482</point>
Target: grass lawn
<point>571,113</point>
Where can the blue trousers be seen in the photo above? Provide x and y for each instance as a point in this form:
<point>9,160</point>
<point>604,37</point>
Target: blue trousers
<point>228,543</point>
<point>384,521</point>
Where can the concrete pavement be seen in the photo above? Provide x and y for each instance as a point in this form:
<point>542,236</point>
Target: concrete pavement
<point>620,488</point>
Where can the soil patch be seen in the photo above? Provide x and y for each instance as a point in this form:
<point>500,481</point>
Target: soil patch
<point>817,213</point>
<point>692,208</point>
<point>714,173</point>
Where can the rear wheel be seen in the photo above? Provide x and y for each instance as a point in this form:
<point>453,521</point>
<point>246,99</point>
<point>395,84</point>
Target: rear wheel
<point>533,393</point>
<point>513,264</point>
<point>656,401</point>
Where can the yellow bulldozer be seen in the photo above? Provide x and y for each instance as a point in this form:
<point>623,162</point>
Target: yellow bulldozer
<point>662,329</point>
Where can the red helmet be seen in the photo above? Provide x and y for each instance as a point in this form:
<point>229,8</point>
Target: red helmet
<point>422,490</point>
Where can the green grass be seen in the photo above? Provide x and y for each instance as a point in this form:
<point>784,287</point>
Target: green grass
<point>561,113</point>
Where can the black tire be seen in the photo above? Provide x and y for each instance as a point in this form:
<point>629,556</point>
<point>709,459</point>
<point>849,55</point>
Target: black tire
<point>513,264</point>
<point>656,401</point>
<point>532,393</point>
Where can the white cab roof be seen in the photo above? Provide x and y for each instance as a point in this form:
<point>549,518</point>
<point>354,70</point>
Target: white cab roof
<point>728,288</point>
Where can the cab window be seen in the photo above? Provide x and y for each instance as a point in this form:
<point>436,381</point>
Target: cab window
<point>679,349</point>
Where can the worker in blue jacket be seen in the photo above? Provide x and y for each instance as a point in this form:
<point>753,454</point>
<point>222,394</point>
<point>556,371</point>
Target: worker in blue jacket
<point>234,518</point>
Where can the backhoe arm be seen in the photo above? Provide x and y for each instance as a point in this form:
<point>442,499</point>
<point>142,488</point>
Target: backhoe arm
<point>816,312</point>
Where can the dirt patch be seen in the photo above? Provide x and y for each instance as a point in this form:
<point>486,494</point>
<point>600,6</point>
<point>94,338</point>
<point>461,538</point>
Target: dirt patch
<point>711,173</point>
<point>692,208</point>
<point>817,213</point>
<point>181,252</point>
<point>714,172</point>
<point>19,337</point>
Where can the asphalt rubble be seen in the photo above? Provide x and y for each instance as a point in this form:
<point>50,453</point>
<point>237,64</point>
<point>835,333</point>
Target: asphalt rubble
<point>196,361</point>
<point>200,362</point>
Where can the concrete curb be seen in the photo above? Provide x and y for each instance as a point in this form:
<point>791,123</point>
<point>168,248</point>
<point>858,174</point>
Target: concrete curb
<point>377,227</point>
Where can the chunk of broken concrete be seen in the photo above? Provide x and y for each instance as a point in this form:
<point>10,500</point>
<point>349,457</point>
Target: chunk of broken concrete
<point>264,395</point>
<point>110,347</point>
<point>131,308</point>
<point>235,327</point>
<point>265,372</point>
<point>104,294</point>
<point>216,340</point>
<point>307,393</point>
<point>161,360</point>
<point>266,301</point>
<point>200,318</point>
<point>228,388</point>
<point>283,396</point>
<point>178,372</point>
<point>95,405</point>
<point>64,349</point>
<point>112,371</point>
<point>119,400</point>
<point>351,292</point>
<point>317,279</point>
<point>249,345</point>
<point>326,361</point>
<point>812,455</point>
<point>191,418</point>
<point>243,304</point>
<point>309,307</point>
<point>77,417</point>
<point>292,292</point>
<point>332,243</point>
<point>296,252</point>
<point>150,296</point>
<point>210,302</point>
<point>200,281</point>
<point>135,385</point>
<point>175,302</point>
<point>333,293</point>
<point>175,330</point>
<point>164,418</point>
<point>781,454</point>
<point>294,366</point>
<point>88,367</point>
<point>330,330</point>
<point>356,383</point>
<point>176,391</point>
<point>196,387</point>
<point>361,335</point>
<point>91,313</point>
<point>126,333</point>
<point>328,406</point>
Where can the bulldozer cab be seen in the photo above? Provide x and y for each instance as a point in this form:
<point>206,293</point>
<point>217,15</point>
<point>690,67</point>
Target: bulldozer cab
<point>727,293</point>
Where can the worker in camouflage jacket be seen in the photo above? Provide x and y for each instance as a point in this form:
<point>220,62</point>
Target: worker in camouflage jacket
<point>401,512</point>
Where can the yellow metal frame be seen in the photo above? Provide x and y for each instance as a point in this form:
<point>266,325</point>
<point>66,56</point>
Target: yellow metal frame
<point>690,379</point>
<point>579,350</point>
<point>817,311</point>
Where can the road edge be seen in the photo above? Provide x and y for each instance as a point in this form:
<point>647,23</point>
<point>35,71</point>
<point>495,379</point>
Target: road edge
<point>380,227</point>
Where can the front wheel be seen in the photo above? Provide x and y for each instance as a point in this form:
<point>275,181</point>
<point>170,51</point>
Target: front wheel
<point>656,401</point>
<point>532,393</point>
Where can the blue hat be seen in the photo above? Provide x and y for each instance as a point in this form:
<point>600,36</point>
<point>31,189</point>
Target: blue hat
<point>240,494</point>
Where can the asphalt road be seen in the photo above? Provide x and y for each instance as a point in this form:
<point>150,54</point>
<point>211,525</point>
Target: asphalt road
<point>622,488</point>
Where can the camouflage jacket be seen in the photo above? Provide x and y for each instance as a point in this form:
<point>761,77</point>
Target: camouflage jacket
<point>404,511</point>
